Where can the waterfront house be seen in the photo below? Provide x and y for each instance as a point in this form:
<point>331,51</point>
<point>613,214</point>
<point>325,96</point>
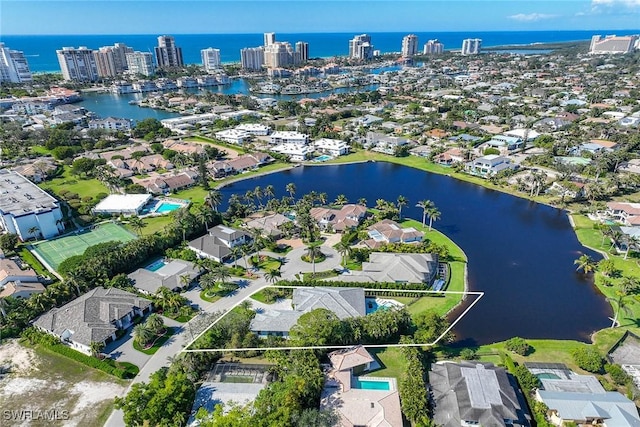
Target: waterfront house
<point>169,275</point>
<point>218,243</point>
<point>625,213</point>
<point>332,147</point>
<point>476,393</point>
<point>389,231</point>
<point>489,165</point>
<point>270,224</point>
<point>95,316</point>
<point>16,281</point>
<point>339,220</point>
<point>397,268</point>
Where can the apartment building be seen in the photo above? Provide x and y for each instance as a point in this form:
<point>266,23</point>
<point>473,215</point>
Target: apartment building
<point>78,64</point>
<point>167,53</point>
<point>14,67</point>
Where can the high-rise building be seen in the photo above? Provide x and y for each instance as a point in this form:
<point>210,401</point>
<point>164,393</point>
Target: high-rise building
<point>360,47</point>
<point>78,64</point>
<point>105,62</point>
<point>167,53</point>
<point>612,44</point>
<point>302,52</point>
<point>210,59</point>
<point>471,46</point>
<point>14,67</point>
<point>269,39</point>
<point>278,54</point>
<point>409,45</point>
<point>140,63</point>
<point>433,47</point>
<point>252,58</point>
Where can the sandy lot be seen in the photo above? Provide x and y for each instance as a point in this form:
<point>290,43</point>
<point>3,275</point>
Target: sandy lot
<point>44,388</point>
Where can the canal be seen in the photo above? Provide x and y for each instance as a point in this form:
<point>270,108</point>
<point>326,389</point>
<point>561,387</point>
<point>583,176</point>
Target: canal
<point>520,253</point>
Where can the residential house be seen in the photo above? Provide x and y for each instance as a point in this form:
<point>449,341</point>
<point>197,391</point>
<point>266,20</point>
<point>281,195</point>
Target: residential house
<point>451,156</point>
<point>174,275</point>
<point>188,148</point>
<point>242,163</point>
<point>166,183</point>
<point>271,224</point>
<point>343,302</point>
<point>396,268</point>
<point>476,393</point>
<point>257,129</point>
<point>567,190</point>
<point>389,231</point>
<point>581,399</point>
<point>339,220</point>
<point>489,165</point>
<point>37,171</point>
<point>233,136</point>
<point>367,120</point>
<point>16,281</point>
<point>288,137</point>
<point>421,151</point>
<point>384,143</point>
<point>21,290</point>
<point>95,316</point>
<point>295,152</point>
<point>504,143</point>
<point>356,405</point>
<point>218,243</point>
<point>111,123</point>
<point>631,166</point>
<point>332,147</point>
<point>220,169</point>
<point>624,213</point>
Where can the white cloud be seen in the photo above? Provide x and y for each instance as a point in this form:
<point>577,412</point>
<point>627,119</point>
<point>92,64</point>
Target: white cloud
<point>532,17</point>
<point>628,3</point>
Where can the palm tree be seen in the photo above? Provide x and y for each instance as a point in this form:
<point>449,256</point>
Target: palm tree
<point>434,215</point>
<point>137,224</point>
<point>236,252</point>
<point>221,274</point>
<point>214,198</point>
<point>154,323</point>
<point>631,241</point>
<point>272,275</point>
<point>322,198</point>
<point>96,347</point>
<point>402,201</point>
<point>185,280</point>
<point>204,215</point>
<point>208,282</point>
<point>257,193</point>
<point>621,304</point>
<point>313,250</point>
<point>291,189</point>
<point>585,263</point>
<point>34,231</point>
<point>426,205</point>
<point>341,200</point>
<point>362,201</point>
<point>628,285</point>
<point>269,191</point>
<point>142,334</point>
<point>344,250</point>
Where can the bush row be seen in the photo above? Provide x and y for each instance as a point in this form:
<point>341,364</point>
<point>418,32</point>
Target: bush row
<point>370,285</point>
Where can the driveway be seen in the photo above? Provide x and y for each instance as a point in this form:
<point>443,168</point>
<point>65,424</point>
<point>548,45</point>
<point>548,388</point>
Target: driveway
<point>295,264</point>
<point>122,351</point>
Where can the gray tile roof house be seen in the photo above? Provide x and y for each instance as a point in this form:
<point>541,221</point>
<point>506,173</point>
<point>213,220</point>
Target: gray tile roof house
<point>269,223</point>
<point>218,242</point>
<point>395,268</point>
<point>169,276</point>
<point>475,393</point>
<point>93,317</point>
<point>344,302</point>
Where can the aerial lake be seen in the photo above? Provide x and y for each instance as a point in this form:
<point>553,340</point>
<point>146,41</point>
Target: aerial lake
<point>520,252</point>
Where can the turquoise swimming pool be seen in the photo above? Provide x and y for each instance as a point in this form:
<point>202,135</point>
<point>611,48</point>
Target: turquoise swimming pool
<point>322,158</point>
<point>371,384</point>
<point>168,207</point>
<point>156,265</point>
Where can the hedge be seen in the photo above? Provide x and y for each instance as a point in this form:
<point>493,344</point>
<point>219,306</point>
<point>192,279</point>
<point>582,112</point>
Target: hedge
<point>109,366</point>
<point>370,285</point>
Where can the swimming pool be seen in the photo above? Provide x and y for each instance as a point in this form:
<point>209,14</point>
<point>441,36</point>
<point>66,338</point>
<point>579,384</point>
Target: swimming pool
<point>165,207</point>
<point>322,158</point>
<point>374,304</point>
<point>156,265</point>
<point>547,376</point>
<point>371,384</point>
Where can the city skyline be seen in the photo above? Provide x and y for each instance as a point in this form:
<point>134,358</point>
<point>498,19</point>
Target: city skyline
<point>33,17</point>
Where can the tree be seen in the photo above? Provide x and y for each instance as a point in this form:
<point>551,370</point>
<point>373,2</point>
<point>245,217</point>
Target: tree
<point>137,224</point>
<point>142,334</point>
<point>341,200</point>
<point>291,189</point>
<point>344,249</point>
<point>269,191</point>
<point>620,303</point>
<point>154,323</point>
<point>607,267</point>
<point>402,201</point>
<point>214,198</point>
<point>317,327</point>
<point>34,231</point>
<point>273,275</point>
<point>434,215</point>
<point>221,274</point>
<point>313,250</point>
<point>8,242</point>
<point>518,345</point>
<point>426,206</point>
<point>96,348</point>
<point>588,358</point>
<point>585,263</point>
<point>412,387</point>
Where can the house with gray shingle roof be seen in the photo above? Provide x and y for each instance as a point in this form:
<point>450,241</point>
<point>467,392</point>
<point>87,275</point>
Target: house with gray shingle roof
<point>396,268</point>
<point>218,242</point>
<point>95,316</point>
<point>475,393</point>
<point>170,276</point>
<point>343,302</point>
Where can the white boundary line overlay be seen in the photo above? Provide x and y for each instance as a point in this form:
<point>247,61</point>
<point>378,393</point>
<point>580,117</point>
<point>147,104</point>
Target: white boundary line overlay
<point>478,294</point>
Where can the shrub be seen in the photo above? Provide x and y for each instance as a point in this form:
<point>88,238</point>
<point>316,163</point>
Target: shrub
<point>588,358</point>
<point>617,374</point>
<point>518,345</point>
<point>468,354</point>
<point>528,381</point>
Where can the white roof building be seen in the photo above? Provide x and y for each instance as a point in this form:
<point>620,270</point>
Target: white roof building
<point>254,128</point>
<point>296,152</point>
<point>289,137</point>
<point>233,136</point>
<point>126,204</point>
<point>334,147</point>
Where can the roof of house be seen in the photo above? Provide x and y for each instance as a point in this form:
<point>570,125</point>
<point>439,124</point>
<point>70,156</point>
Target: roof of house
<point>91,316</point>
<point>616,409</point>
<point>344,302</point>
<point>269,223</point>
<point>9,269</point>
<point>211,245</point>
<point>169,276</point>
<point>226,233</point>
<point>350,358</point>
<point>13,287</point>
<point>399,267</point>
<point>474,391</point>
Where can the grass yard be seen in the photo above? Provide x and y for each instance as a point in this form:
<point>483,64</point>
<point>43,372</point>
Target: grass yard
<point>156,344</point>
<point>41,380</point>
<point>30,259</point>
<point>152,224</point>
<point>391,361</point>
<point>57,250</point>
<point>66,181</point>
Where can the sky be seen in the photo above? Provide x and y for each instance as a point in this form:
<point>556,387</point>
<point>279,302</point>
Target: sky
<point>20,17</point>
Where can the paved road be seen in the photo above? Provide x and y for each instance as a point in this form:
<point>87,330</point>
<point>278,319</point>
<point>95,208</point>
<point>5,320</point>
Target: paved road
<point>182,337</point>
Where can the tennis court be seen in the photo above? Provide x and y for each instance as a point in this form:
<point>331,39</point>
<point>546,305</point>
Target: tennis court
<point>53,252</point>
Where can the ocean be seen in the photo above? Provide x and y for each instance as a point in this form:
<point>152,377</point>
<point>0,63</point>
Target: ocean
<point>41,50</point>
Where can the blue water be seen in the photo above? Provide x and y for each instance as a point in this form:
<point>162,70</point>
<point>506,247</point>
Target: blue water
<point>520,253</point>
<point>371,384</point>
<point>322,158</point>
<point>168,207</point>
<point>41,50</point>
<point>156,265</point>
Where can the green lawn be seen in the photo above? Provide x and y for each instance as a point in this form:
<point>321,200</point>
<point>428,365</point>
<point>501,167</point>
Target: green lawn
<point>33,262</point>
<point>156,345</point>
<point>207,298</point>
<point>84,187</point>
<point>152,224</point>
<point>392,361</point>
<point>260,297</point>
